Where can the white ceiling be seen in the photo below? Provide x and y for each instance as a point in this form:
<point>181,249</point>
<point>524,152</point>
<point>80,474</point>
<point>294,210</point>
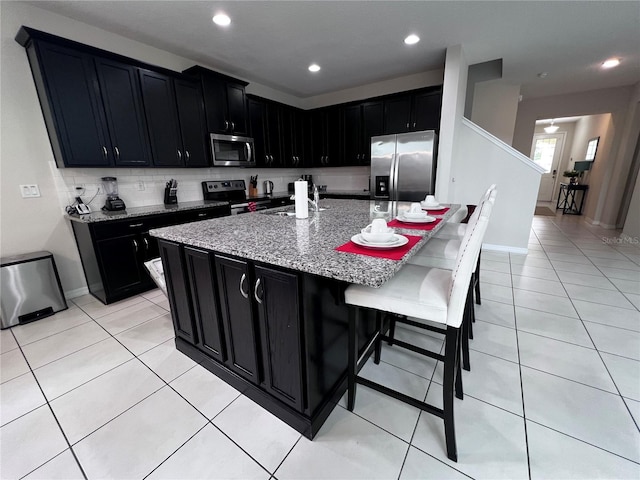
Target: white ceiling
<point>361,42</point>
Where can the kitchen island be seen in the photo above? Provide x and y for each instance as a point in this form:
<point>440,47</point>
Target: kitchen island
<point>257,299</point>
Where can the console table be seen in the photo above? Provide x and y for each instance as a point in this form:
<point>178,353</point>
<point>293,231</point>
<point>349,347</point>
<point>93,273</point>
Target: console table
<point>568,197</point>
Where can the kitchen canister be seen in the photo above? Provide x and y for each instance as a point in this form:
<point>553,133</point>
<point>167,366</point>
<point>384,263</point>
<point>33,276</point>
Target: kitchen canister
<point>301,192</point>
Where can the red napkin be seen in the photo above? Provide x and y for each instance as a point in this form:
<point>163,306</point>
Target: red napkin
<point>391,254</point>
<point>414,226</point>
<point>436,212</point>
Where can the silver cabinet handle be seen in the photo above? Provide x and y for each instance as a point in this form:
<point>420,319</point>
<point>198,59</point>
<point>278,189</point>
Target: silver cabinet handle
<point>407,124</point>
<point>146,243</point>
<point>255,292</point>
<point>117,153</point>
<point>226,124</point>
<point>134,225</point>
<point>135,244</point>
<point>242,292</point>
<point>104,152</point>
<point>202,214</point>
<point>186,153</point>
<point>179,155</point>
<point>233,126</point>
<point>414,124</point>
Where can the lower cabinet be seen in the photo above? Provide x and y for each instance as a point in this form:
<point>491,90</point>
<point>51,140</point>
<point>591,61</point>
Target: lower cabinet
<point>113,252</point>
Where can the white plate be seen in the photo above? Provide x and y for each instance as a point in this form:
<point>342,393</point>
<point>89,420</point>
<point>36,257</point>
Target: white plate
<point>399,241</point>
<point>432,207</point>
<point>425,219</point>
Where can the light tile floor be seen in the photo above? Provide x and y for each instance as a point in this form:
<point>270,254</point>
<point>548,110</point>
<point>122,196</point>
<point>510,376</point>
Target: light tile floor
<point>100,391</point>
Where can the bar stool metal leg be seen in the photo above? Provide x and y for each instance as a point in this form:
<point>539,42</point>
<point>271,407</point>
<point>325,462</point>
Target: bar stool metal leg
<point>451,354</point>
<point>352,372</point>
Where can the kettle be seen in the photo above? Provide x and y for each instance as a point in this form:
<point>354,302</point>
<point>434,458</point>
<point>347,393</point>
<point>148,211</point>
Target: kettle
<point>268,187</point>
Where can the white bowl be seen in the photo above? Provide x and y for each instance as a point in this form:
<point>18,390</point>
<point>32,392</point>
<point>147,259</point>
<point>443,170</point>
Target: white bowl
<point>429,205</point>
<point>377,237</point>
<point>416,215</point>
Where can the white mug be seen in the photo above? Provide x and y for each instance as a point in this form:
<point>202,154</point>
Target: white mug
<point>430,200</point>
<point>415,208</point>
<point>378,225</point>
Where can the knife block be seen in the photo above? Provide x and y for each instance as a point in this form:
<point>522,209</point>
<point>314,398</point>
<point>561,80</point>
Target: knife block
<point>253,191</point>
<point>170,196</point>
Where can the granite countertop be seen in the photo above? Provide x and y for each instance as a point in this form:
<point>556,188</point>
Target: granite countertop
<point>104,216</point>
<point>307,245</point>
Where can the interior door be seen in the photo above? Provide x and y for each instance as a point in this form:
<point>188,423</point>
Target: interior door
<point>546,151</point>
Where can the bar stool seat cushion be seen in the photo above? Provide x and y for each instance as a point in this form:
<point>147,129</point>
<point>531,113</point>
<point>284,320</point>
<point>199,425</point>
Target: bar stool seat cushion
<point>414,291</point>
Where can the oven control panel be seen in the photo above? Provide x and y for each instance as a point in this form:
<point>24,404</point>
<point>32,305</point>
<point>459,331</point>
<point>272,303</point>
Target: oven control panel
<point>223,186</point>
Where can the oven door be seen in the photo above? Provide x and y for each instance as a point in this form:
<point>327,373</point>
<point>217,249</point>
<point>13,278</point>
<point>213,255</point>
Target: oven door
<point>232,151</point>
<point>249,207</point>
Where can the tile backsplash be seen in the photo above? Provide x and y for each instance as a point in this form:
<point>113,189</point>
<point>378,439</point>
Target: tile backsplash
<point>142,187</point>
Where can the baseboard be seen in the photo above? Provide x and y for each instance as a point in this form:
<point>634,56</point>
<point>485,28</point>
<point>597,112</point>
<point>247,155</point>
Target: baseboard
<point>77,292</point>
<point>504,248</point>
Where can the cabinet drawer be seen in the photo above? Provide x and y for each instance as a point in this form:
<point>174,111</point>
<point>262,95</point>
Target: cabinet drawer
<point>118,228</point>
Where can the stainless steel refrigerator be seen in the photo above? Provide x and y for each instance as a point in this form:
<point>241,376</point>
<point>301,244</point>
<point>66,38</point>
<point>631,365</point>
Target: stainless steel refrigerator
<point>403,166</point>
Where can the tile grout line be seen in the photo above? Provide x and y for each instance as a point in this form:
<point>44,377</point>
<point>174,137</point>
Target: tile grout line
<point>64,435</point>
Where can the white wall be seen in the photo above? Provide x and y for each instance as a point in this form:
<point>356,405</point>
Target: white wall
<point>621,102</point>
<point>495,107</point>
<point>632,224</point>
<point>453,98</point>
<point>483,159</point>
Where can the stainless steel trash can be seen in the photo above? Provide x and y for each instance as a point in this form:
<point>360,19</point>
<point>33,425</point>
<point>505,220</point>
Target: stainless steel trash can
<point>30,288</point>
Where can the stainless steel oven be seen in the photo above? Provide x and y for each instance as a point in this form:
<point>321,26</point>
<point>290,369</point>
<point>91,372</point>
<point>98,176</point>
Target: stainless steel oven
<point>232,151</point>
<point>233,191</point>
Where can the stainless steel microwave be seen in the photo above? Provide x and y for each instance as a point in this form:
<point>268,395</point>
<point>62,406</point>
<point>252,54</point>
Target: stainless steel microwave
<point>232,151</point>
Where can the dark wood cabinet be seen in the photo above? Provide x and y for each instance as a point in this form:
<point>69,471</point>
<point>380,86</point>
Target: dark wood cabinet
<point>413,112</point>
<point>175,275</point>
<point>66,82</point>
<point>277,293</point>
<point>256,116</point>
<point>266,129</point>
<point>225,101</point>
<point>175,117</point>
<point>236,307</point>
<point>326,137</point>
<point>113,252</point>
<point>296,137</point>
<point>124,112</point>
<point>204,302</point>
<point>361,122</point>
<point>192,123</point>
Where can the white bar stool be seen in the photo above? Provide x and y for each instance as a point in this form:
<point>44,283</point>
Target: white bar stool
<point>425,294</point>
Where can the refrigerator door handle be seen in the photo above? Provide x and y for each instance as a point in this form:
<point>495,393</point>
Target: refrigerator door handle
<point>393,178</point>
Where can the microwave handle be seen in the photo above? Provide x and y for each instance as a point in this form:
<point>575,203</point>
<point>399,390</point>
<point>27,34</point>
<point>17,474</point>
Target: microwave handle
<point>247,146</point>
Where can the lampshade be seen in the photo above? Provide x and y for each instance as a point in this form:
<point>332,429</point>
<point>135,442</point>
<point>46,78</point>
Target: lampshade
<point>551,128</point>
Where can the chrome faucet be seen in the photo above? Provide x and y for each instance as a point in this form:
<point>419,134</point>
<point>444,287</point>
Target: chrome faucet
<point>316,199</point>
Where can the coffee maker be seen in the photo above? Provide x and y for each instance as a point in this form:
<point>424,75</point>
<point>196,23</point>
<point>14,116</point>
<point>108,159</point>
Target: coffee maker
<point>113,202</point>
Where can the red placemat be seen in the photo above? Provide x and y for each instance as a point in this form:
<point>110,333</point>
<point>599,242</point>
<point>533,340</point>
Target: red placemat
<point>391,254</point>
<point>436,212</point>
<point>414,226</point>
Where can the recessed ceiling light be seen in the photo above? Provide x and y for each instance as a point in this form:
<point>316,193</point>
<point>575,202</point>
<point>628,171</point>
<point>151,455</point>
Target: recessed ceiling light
<point>222,19</point>
<point>314,67</point>
<point>611,62</point>
<point>412,39</point>
<point>543,74</point>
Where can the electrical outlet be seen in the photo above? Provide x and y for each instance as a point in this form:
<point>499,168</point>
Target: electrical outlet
<point>29,191</point>
<point>140,185</point>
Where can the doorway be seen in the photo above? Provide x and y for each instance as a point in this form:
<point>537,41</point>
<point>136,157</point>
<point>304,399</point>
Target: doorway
<point>546,152</point>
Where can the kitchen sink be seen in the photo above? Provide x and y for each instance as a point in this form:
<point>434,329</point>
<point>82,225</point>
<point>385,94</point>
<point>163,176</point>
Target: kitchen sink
<point>289,211</point>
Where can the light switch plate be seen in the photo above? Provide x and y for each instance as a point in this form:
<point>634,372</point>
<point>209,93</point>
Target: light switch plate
<point>29,191</point>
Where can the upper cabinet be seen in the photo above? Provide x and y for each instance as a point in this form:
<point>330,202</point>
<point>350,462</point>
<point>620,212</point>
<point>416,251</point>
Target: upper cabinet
<point>175,117</point>
<point>225,101</point>
<point>361,122</point>
<point>413,111</point>
<point>325,137</point>
<point>91,107</point>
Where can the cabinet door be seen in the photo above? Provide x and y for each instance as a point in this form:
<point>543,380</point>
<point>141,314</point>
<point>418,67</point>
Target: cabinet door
<point>192,123</point>
<point>123,108</point>
<point>215,103</point>
<point>120,262</point>
<point>162,119</point>
<point>273,139</point>
<point>279,321</point>
<point>333,137</point>
<point>427,107</point>
<point>234,293</point>
<point>237,108</point>
<point>257,119</point>
<point>397,114</point>
<point>79,134</point>
<point>352,135</point>
<point>175,276</point>
<point>372,125</point>
<point>201,271</point>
